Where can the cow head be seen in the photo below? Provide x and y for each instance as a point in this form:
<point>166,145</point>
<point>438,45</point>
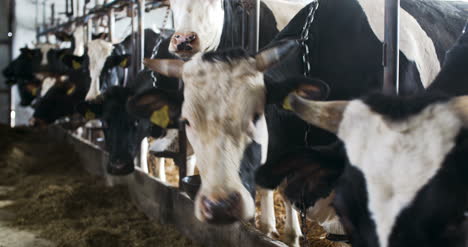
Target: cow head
<point>406,173</point>
<point>28,90</point>
<point>224,111</point>
<point>123,131</point>
<point>114,70</point>
<point>24,66</point>
<point>195,30</point>
<point>61,98</point>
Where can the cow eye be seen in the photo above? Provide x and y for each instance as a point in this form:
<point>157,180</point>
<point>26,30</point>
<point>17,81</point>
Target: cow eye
<point>256,117</point>
<point>187,123</point>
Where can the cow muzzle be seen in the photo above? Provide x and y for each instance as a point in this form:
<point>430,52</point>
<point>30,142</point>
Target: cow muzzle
<point>120,167</point>
<point>221,211</point>
<point>185,44</point>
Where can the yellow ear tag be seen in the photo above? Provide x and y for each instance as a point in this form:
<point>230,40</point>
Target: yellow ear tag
<point>34,91</point>
<point>71,90</point>
<point>89,115</point>
<point>161,117</point>
<point>286,104</point>
<point>76,65</point>
<point>124,62</point>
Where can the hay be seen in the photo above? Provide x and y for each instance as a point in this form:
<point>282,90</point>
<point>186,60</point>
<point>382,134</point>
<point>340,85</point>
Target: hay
<point>55,197</point>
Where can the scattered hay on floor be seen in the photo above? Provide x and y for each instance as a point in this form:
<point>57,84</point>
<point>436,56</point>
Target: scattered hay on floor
<point>55,197</point>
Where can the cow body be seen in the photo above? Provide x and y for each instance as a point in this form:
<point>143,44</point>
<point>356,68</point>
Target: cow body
<point>222,29</point>
<point>399,176</point>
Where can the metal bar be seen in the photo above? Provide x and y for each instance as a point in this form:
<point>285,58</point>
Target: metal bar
<point>111,25</point>
<point>96,12</point>
<point>182,156</point>
<point>52,14</point>
<point>391,47</point>
<point>254,26</point>
<point>11,29</point>
<point>141,34</point>
<point>134,44</point>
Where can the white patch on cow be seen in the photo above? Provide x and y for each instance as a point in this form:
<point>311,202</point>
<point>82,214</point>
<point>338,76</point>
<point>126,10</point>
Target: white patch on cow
<point>45,48</point>
<point>47,84</point>
<point>284,10</point>
<point>414,41</point>
<point>324,214</point>
<point>165,143</point>
<point>79,37</point>
<point>98,51</point>
<point>397,158</point>
<point>191,16</point>
<point>220,108</point>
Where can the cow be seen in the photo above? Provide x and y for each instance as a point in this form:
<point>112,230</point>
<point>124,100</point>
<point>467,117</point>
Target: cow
<point>196,31</point>
<point>351,67</point>
<point>399,174</point>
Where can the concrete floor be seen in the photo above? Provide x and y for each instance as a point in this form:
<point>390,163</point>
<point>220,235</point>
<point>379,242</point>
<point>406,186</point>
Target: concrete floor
<point>12,237</point>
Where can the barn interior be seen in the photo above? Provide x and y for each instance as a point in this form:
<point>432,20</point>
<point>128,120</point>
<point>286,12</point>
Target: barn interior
<point>108,164</point>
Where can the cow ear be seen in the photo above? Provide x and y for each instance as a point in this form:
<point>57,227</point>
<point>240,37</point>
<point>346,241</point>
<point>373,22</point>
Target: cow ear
<point>32,88</point>
<point>90,109</point>
<point>309,174</point>
<point>309,88</point>
<point>74,62</point>
<point>120,60</point>
<point>155,105</point>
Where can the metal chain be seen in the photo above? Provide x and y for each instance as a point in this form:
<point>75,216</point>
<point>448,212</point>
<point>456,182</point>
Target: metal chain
<point>305,55</point>
<point>305,36</point>
<point>159,41</point>
<point>307,68</point>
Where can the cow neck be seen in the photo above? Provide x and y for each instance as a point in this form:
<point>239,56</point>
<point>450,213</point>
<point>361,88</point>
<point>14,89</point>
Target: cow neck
<point>232,26</point>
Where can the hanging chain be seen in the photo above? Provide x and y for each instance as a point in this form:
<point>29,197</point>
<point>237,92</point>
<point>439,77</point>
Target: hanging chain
<point>305,36</point>
<point>305,33</point>
<point>159,41</point>
<point>307,68</point>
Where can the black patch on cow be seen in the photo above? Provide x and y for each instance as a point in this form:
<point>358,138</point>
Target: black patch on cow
<point>401,107</point>
<point>250,162</point>
<point>453,78</point>
<point>310,173</point>
<point>436,215</point>
<point>225,56</point>
<point>441,20</point>
<point>351,205</point>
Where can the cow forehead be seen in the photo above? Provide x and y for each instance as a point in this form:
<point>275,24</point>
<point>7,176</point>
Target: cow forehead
<point>222,93</point>
<point>397,158</point>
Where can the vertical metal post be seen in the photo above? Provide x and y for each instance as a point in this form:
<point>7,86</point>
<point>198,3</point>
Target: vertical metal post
<point>391,47</point>
<point>44,19</point>
<point>254,26</point>
<point>131,9</point>
<point>89,30</point>
<point>36,20</point>
<point>111,24</point>
<point>52,14</point>
<point>182,155</point>
<point>141,34</point>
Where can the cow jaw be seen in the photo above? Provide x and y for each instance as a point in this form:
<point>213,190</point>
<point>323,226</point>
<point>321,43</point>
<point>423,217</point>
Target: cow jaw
<point>191,17</point>
<point>224,104</point>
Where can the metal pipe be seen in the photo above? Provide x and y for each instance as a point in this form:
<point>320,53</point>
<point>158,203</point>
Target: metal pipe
<point>131,8</point>
<point>391,47</point>
<point>111,24</point>
<point>254,26</point>
<point>37,21</point>
<point>52,14</point>
<point>141,34</point>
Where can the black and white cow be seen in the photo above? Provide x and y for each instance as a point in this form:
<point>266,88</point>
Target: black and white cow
<point>400,175</point>
<point>346,51</point>
<point>196,31</point>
